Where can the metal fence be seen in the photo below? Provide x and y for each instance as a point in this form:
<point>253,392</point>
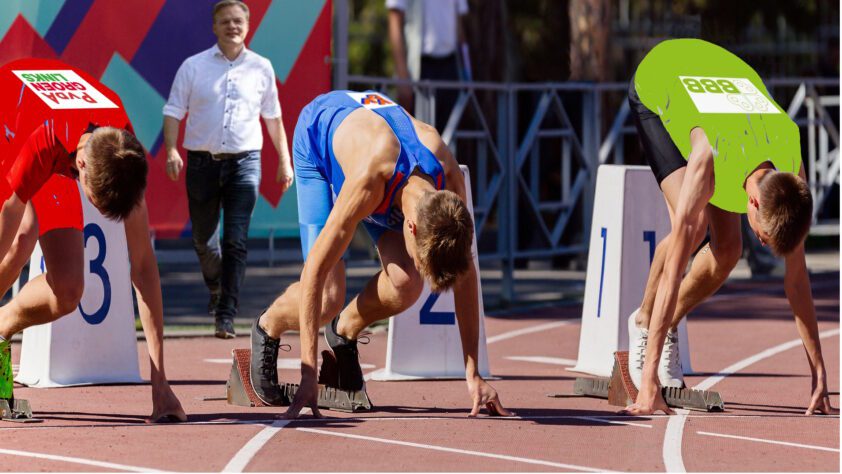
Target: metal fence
<point>533,151</point>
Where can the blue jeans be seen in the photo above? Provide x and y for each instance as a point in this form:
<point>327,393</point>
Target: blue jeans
<point>230,186</point>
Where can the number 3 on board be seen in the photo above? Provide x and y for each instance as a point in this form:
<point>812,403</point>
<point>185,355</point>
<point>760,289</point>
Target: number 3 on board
<point>96,267</point>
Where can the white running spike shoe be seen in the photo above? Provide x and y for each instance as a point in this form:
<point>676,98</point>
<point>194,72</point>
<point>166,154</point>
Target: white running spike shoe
<point>638,338</point>
<point>670,373</point>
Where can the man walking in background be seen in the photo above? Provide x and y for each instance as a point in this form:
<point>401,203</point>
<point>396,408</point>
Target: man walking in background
<point>427,43</point>
<point>224,91</point>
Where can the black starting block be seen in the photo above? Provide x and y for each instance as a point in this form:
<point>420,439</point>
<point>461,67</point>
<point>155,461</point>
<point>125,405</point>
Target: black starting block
<point>240,391</point>
<point>620,390</point>
<point>17,411</point>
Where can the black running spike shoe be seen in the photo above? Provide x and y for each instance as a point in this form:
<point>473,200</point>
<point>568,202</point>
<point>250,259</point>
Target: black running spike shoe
<point>263,373</point>
<point>347,358</point>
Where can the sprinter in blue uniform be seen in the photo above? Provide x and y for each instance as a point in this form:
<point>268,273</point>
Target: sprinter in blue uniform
<point>360,158</point>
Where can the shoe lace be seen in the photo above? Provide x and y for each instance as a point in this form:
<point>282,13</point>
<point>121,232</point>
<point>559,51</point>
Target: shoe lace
<point>269,365</point>
<point>641,350</point>
<point>671,351</point>
<point>364,337</point>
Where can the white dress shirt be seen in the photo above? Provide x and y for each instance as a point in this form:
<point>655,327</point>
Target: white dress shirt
<point>438,31</point>
<point>224,100</point>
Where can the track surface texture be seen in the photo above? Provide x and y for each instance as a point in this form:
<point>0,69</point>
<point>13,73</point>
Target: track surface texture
<point>423,425</point>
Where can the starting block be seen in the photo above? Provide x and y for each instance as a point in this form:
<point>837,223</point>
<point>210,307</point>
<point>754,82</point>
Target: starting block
<point>620,390</point>
<point>19,411</point>
<point>241,393</point>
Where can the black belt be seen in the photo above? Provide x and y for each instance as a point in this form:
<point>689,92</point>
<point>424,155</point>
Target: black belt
<point>222,156</point>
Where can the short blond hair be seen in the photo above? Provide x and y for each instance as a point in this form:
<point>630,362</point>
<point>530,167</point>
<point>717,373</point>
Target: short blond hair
<point>444,235</point>
<point>786,210</point>
<point>230,3</point>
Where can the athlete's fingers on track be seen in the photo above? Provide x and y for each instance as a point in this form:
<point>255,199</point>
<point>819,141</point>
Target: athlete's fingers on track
<point>495,408</point>
<point>474,410</point>
<point>292,411</point>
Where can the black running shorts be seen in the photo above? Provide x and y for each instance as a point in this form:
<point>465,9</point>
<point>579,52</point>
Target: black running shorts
<point>658,148</point>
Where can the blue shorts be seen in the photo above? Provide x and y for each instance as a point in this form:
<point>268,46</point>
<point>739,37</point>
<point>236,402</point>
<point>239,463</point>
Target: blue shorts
<point>314,191</point>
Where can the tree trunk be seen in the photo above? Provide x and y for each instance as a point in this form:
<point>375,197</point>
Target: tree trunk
<point>590,27</point>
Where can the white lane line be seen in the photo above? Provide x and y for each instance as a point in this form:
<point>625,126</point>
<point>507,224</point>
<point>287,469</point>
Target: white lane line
<point>454,450</point>
<point>86,462</point>
<point>760,440</point>
<point>676,424</point>
<point>714,379</point>
<point>529,330</point>
<point>544,360</point>
<point>612,422</point>
<point>673,459</point>
<point>283,363</point>
<point>605,418</point>
<point>247,452</point>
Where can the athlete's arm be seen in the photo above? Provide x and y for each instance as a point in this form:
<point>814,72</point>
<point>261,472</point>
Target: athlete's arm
<point>10,218</point>
<point>465,291</point>
<point>800,296</point>
<point>466,299</point>
<point>32,168</point>
<point>147,283</point>
<point>357,199</point>
<point>696,191</point>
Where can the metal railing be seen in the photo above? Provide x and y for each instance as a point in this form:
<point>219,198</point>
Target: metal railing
<point>533,163</point>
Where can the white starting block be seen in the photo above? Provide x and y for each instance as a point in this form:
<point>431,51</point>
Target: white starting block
<point>97,342</point>
<point>630,217</point>
<point>424,340</point>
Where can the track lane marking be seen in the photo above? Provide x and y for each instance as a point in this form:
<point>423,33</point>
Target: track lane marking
<point>673,440</point>
<point>454,450</point>
<point>250,449</point>
<point>612,422</point>
<point>769,441</point>
<point>709,382</point>
<point>607,418</point>
<point>543,360</point>
<point>527,330</point>
<point>74,460</point>
<point>675,424</point>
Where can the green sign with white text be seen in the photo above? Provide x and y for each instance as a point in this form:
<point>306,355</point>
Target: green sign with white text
<point>692,83</point>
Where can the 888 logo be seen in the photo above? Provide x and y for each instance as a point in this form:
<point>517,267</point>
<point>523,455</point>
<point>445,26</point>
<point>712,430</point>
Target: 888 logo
<point>726,95</point>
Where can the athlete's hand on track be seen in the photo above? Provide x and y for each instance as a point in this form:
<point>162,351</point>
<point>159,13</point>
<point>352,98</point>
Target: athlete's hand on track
<point>306,396</point>
<point>483,395</point>
<point>820,401</point>
<point>174,164</point>
<point>165,405</point>
<point>649,401</point>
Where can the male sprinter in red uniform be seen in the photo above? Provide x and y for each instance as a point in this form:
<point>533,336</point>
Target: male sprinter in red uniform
<point>59,123</point>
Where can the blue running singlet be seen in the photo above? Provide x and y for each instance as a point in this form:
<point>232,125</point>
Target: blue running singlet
<point>319,178</point>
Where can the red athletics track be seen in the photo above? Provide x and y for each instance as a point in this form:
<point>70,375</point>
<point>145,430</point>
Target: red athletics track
<point>422,426</point>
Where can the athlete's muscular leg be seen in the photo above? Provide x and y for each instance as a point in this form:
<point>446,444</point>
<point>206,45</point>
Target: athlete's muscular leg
<point>283,314</point>
<point>713,263</point>
<point>393,289</point>
<point>20,251</point>
<point>53,294</point>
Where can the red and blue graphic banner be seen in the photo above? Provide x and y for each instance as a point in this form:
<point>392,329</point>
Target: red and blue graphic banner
<point>135,48</point>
